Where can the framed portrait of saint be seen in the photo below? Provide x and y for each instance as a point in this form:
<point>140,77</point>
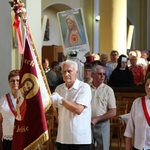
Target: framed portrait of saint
<point>73,31</point>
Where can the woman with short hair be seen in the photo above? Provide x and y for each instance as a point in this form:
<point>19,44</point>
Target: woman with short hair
<point>8,110</point>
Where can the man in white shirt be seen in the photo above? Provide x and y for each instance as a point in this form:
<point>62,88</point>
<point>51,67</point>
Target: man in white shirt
<point>73,100</point>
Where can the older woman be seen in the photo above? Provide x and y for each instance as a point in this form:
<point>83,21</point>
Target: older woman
<point>137,71</point>
<point>8,110</point>
<point>138,126</point>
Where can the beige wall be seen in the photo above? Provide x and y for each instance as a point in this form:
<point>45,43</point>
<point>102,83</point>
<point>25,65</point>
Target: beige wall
<point>113,27</point>
<point>110,30</point>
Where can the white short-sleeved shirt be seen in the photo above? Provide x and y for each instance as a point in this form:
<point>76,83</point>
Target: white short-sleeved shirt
<point>103,98</point>
<point>8,117</point>
<point>73,128</point>
<point>137,125</point>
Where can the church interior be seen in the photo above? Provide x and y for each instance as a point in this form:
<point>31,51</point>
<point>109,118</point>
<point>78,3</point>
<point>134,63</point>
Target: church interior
<point>122,25</point>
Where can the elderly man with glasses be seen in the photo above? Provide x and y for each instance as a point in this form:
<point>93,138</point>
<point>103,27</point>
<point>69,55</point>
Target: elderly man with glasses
<point>103,108</point>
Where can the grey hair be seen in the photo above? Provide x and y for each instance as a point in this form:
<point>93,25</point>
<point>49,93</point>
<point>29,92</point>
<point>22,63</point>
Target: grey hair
<point>70,62</point>
<point>97,67</point>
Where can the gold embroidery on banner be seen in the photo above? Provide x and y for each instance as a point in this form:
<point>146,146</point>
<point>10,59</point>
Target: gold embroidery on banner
<point>22,128</point>
<point>29,62</point>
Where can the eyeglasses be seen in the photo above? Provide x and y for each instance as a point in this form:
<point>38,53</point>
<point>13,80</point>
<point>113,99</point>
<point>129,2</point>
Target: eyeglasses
<point>100,74</point>
<point>13,81</point>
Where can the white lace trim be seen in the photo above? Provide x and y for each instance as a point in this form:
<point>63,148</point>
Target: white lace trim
<point>7,137</point>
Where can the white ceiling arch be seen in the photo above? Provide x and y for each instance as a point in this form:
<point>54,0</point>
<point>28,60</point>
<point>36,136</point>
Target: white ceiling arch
<point>58,7</point>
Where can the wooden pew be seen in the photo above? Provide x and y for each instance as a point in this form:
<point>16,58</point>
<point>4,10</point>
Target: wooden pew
<point>129,94</point>
<point>124,94</point>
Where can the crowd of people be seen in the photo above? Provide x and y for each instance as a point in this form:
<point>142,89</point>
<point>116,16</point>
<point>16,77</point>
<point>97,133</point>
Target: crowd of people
<point>74,97</point>
<point>67,97</point>
<point>85,107</point>
<point>124,70</point>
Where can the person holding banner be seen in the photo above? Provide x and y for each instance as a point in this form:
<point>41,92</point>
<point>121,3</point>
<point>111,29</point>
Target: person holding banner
<point>73,100</point>
<point>138,125</point>
<point>8,110</point>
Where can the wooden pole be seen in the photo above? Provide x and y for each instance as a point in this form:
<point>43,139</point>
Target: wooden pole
<point>40,65</point>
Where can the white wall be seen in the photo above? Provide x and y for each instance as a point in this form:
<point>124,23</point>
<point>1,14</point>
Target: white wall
<point>34,16</point>
<point>5,45</point>
<point>54,32</point>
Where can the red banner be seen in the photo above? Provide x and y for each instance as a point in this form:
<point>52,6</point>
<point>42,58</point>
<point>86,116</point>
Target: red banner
<point>30,124</point>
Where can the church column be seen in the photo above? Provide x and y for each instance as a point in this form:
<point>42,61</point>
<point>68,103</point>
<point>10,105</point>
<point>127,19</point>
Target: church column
<point>113,26</point>
<point>96,27</point>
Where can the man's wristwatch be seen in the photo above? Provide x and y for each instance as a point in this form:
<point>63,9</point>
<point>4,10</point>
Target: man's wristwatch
<point>61,101</point>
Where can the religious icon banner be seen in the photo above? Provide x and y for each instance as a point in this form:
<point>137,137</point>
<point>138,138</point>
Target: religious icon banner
<point>30,123</point>
<point>73,31</point>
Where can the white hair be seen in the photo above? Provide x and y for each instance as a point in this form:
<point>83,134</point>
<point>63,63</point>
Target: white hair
<point>70,62</point>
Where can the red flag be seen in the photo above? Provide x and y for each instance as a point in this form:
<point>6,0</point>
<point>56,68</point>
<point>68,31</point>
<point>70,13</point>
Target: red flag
<point>30,124</point>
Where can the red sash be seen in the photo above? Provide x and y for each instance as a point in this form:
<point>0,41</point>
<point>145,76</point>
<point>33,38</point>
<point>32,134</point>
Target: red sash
<point>10,104</point>
<point>145,111</point>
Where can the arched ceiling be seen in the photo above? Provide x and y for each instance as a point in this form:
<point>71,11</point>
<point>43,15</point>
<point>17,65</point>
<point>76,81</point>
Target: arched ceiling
<point>59,7</point>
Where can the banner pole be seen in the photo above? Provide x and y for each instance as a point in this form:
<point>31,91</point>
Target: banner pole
<point>40,66</point>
